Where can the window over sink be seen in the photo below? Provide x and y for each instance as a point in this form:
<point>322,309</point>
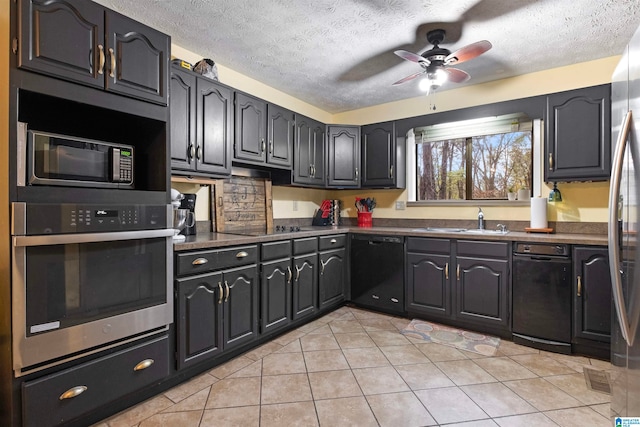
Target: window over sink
<point>479,159</point>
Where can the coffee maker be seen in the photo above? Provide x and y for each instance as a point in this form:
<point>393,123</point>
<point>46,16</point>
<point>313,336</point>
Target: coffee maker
<point>189,202</point>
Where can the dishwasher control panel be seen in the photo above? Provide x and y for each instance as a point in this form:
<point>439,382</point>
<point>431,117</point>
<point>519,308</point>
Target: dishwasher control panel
<point>541,248</point>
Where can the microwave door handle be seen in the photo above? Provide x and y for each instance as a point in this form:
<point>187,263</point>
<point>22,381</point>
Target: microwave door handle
<point>66,239</point>
<point>613,238</point>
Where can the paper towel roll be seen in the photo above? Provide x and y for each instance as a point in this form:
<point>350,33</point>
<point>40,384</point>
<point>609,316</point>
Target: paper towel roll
<point>539,212</point>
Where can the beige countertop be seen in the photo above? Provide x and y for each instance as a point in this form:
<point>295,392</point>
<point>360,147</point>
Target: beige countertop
<point>216,240</point>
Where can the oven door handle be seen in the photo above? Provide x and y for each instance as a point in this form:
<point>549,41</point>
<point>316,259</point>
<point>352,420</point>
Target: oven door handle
<point>67,239</point>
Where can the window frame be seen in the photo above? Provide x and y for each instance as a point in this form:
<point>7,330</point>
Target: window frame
<point>537,174</point>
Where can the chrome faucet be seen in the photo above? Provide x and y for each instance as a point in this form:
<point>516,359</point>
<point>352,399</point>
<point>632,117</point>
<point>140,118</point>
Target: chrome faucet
<point>480,219</point>
<point>502,228</point>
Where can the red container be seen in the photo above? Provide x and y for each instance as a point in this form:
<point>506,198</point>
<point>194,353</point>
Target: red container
<point>364,219</point>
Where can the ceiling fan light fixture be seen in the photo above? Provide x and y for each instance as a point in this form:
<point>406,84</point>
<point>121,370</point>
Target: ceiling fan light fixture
<point>433,80</point>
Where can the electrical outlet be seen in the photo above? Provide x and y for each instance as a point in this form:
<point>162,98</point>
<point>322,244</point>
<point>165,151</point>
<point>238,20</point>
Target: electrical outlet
<point>400,205</point>
<point>295,205</point>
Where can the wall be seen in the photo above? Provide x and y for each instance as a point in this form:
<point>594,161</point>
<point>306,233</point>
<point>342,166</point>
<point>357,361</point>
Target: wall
<point>583,202</point>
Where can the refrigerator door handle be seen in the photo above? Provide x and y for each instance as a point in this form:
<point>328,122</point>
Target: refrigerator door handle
<point>613,237</point>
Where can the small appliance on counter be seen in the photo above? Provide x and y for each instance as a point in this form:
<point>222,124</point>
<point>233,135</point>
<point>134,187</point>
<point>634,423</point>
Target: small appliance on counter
<point>328,214</point>
<point>189,202</point>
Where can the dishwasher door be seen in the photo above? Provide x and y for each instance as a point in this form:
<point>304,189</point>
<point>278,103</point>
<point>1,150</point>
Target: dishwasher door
<point>542,301</point>
<point>377,272</point>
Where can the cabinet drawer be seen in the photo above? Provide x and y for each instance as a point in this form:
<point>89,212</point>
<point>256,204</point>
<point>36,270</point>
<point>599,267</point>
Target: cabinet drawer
<point>305,246</point>
<point>105,379</point>
<point>276,250</point>
<point>332,242</point>
<point>483,249</point>
<point>196,262</point>
<point>420,244</point>
<point>237,256</point>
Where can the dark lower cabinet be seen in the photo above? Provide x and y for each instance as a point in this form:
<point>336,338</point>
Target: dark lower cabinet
<point>276,294</point>
<point>591,294</point>
<point>332,280</point>
<point>75,392</point>
<point>305,285</point>
<point>215,310</point>
<point>482,290</point>
<point>98,48</point>
<point>459,280</point>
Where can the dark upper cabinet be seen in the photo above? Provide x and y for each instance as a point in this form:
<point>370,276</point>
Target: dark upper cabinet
<point>343,148</point>
<point>264,133</point>
<point>201,124</point>
<point>308,155</point>
<point>591,294</point>
<point>382,157</point>
<point>86,43</point>
<point>281,128</point>
<point>578,135</point>
<point>251,128</point>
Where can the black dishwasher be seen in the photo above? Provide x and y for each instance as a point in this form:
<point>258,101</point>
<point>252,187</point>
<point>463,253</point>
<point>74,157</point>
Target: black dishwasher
<point>542,296</point>
<point>377,272</point>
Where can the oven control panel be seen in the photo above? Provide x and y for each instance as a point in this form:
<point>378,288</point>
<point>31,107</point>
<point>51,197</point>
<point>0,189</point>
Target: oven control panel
<point>42,218</point>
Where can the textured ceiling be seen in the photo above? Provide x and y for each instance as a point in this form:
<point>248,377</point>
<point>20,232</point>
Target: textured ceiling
<point>338,54</point>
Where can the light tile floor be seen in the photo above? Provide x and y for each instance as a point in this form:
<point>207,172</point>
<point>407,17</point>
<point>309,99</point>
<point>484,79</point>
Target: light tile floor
<point>353,368</point>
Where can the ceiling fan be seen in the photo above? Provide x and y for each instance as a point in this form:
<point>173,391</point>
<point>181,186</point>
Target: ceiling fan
<point>436,62</point>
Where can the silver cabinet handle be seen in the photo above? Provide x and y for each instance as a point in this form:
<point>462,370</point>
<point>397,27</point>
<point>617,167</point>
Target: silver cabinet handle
<point>102,59</point>
<point>458,272</point>
<point>226,298</point>
<point>310,170</point>
<point>262,144</point>
<point>221,293</point>
<point>199,152</point>
<point>446,271</point>
<point>333,241</point>
<point>356,173</point>
<point>73,392</point>
<point>192,151</point>
<point>144,364</point>
<point>298,270</point>
<point>550,161</point>
<point>112,72</point>
<point>323,264</point>
<point>290,274</point>
<point>391,172</point>
<point>242,254</point>
<point>199,261</point>
<point>270,147</point>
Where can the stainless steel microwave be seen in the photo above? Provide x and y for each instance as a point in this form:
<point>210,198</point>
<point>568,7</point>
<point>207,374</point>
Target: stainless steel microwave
<point>46,158</point>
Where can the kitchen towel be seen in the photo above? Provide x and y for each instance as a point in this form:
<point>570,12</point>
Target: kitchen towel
<point>539,212</point>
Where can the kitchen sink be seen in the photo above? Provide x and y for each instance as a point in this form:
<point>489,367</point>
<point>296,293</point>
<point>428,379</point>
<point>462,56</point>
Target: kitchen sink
<point>460,230</point>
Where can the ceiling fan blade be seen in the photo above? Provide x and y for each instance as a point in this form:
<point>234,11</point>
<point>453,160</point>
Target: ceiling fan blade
<point>455,75</point>
<point>406,79</point>
<point>468,52</point>
<point>413,57</point>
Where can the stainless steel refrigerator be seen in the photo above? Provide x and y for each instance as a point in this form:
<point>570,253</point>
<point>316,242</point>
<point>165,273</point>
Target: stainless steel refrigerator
<point>624,212</point>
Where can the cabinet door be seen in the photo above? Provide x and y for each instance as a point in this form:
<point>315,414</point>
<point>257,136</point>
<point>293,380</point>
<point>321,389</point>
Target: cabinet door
<point>183,119</point>
<point>591,294</point>
<point>344,156</point>
<point>378,155</point>
<point>240,306</point>
<point>199,318</point>
<point>482,291</point>
<point>332,277</point>
<point>251,124</point>
<point>73,54</point>
<point>305,285</point>
<point>308,160</point>
<point>280,131</point>
<point>578,136</point>
<point>428,284</point>
<point>275,289</point>
<point>137,59</point>
<point>319,137</point>
<point>214,127</point>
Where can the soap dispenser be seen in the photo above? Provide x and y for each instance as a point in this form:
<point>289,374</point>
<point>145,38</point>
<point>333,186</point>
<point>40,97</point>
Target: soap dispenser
<point>480,219</point>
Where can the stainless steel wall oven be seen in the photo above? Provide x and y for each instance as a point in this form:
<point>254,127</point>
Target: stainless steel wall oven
<point>86,277</point>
